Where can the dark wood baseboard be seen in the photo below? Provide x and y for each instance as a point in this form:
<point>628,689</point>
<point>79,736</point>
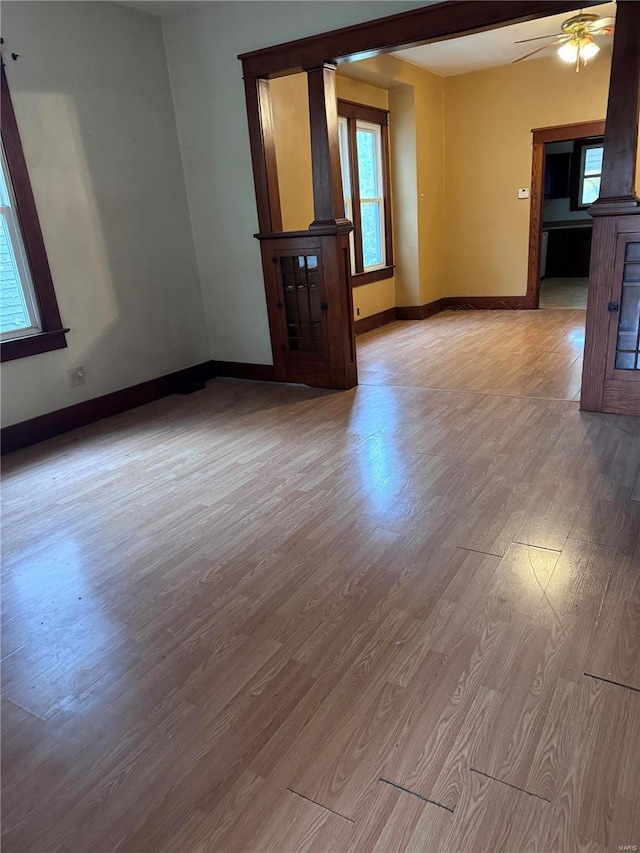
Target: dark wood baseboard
<point>367,324</point>
<point>491,303</point>
<point>38,429</point>
<point>420,312</point>
<point>240,370</point>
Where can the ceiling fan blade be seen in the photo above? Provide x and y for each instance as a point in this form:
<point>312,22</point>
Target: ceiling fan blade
<point>537,38</point>
<point>537,50</point>
<point>602,22</point>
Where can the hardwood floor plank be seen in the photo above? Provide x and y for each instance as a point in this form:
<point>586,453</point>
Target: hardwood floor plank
<point>553,747</point>
<point>479,824</point>
<point>388,818</point>
<point>614,652</point>
<point>602,780</point>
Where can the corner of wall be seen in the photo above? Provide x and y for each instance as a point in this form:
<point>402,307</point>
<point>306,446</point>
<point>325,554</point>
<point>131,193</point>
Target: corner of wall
<point>170,74</point>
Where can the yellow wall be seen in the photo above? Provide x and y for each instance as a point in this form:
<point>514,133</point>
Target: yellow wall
<point>489,116</point>
<point>470,134</point>
<point>402,135</point>
<point>416,104</point>
<point>350,89</point>
<point>290,107</point>
<point>414,98</point>
<point>373,298</point>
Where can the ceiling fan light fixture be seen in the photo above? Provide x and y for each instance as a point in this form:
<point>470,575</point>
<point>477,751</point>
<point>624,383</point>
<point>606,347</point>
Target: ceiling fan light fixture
<point>584,48</point>
<point>575,43</point>
<point>588,49</point>
<point>568,52</point>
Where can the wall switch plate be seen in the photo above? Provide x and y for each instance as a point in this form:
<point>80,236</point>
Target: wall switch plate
<point>357,312</point>
<point>76,376</point>
<point>523,192</point>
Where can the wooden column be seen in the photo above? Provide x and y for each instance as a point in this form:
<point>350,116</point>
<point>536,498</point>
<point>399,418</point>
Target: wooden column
<point>617,187</point>
<point>328,199</point>
<point>263,153</point>
<point>615,212</point>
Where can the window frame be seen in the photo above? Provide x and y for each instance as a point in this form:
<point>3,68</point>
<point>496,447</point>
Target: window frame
<point>577,170</point>
<point>354,113</point>
<point>52,335</point>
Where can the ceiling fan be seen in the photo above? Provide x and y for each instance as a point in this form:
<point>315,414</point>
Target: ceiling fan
<point>576,40</point>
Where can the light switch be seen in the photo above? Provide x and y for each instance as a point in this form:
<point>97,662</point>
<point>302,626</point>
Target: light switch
<point>523,192</point>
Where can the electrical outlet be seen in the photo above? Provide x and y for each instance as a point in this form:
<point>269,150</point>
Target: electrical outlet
<point>76,376</point>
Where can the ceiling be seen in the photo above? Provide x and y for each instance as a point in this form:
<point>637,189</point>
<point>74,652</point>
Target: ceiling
<point>445,58</point>
<point>161,8</point>
<point>493,47</point>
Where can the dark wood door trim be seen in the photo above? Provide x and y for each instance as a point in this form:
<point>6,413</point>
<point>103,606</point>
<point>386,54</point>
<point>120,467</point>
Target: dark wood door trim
<point>563,132</point>
<point>263,153</point>
<point>355,197</point>
<point>541,136</point>
<point>328,200</point>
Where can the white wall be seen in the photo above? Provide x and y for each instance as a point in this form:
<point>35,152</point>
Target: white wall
<point>206,79</point>
<point>95,113</point>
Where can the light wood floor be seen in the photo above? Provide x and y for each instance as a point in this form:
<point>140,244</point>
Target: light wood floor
<point>564,293</point>
<point>518,354</point>
<point>271,618</point>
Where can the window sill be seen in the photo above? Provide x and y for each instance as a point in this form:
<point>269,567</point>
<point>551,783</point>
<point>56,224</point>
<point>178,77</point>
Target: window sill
<point>360,278</point>
<point>33,345</point>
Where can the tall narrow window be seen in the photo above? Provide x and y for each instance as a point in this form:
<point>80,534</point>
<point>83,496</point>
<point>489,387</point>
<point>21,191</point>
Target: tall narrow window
<point>586,172</point>
<point>590,174</point>
<point>364,159</point>
<point>29,318</point>
<point>19,314</point>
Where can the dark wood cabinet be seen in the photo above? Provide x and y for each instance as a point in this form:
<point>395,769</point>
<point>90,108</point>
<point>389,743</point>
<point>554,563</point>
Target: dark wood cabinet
<point>310,306</point>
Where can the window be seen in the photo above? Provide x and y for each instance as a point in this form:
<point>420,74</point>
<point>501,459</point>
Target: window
<point>29,317</point>
<point>587,171</point>
<point>20,315</point>
<point>590,173</point>
<point>364,160</point>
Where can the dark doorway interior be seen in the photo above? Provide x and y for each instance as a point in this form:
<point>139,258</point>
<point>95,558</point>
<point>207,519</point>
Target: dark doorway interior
<point>571,184</point>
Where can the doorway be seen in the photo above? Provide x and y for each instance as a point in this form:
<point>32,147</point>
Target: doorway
<point>572,173</point>
<point>565,181</point>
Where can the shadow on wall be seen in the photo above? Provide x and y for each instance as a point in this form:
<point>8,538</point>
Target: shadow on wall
<point>111,200</point>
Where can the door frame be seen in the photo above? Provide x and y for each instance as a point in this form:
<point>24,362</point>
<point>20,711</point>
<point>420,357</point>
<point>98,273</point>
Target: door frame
<point>541,136</point>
